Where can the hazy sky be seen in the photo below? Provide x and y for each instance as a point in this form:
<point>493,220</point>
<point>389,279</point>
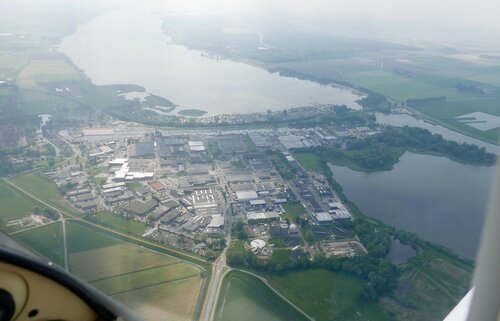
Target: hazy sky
<point>456,19</point>
<point>452,20</point>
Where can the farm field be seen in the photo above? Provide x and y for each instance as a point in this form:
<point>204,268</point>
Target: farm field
<point>399,87</point>
<point>46,240</point>
<point>245,298</point>
<point>151,283</point>
<point>82,238</point>
<point>117,222</point>
<point>46,71</point>
<point>174,300</point>
<point>14,205</point>
<point>44,189</point>
<point>123,258</point>
<point>12,62</point>
<point>445,113</point>
<point>36,103</point>
<point>430,289</point>
<point>309,161</point>
<point>492,78</point>
<point>326,295</point>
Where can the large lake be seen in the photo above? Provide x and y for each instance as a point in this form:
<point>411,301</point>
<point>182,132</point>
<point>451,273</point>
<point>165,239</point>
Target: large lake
<point>438,199</point>
<point>128,46</point>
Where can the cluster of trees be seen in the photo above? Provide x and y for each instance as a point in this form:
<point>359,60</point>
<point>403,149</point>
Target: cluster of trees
<point>382,151</point>
<point>412,138</point>
<point>420,101</point>
<point>286,170</point>
<point>375,101</point>
<point>47,212</point>
<point>7,167</point>
<point>67,187</point>
<point>342,117</point>
<point>239,231</point>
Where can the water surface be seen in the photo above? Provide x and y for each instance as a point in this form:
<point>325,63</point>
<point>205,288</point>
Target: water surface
<point>440,200</point>
<point>128,46</point>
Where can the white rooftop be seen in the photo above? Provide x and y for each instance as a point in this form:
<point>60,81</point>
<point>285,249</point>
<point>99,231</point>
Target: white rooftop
<point>246,195</point>
<point>216,222</point>
<point>323,217</point>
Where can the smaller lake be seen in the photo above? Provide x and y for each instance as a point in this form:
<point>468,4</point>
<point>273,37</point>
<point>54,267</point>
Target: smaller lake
<point>399,253</point>
<point>440,200</point>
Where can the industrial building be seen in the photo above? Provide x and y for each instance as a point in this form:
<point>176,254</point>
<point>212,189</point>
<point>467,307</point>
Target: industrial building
<point>248,195</point>
<point>141,208</point>
<point>322,218</point>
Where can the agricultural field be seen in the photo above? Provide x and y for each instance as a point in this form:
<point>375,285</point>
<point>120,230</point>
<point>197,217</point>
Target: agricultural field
<point>117,222</point>
<point>11,63</point>
<point>399,87</point>
<point>243,297</point>
<point>174,300</point>
<point>46,240</point>
<point>326,295</point>
<point>309,160</point>
<point>430,289</point>
<point>36,103</point>
<point>126,258</point>
<point>44,189</point>
<point>47,71</point>
<point>492,78</point>
<point>15,205</point>
<point>446,113</point>
<point>151,283</point>
<point>249,144</point>
<point>82,238</point>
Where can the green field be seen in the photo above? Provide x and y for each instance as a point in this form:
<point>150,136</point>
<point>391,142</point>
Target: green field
<point>46,240</point>
<point>430,288</point>
<point>249,144</point>
<point>445,113</point>
<point>309,161</point>
<point>399,87</point>
<point>192,112</point>
<point>492,78</point>
<point>44,189</point>
<point>36,103</point>
<point>12,63</point>
<point>117,222</point>
<point>280,256</point>
<point>245,298</point>
<point>176,300</point>
<point>294,209</point>
<point>14,205</point>
<point>153,284</point>
<point>327,295</point>
<point>50,71</point>
<point>146,278</point>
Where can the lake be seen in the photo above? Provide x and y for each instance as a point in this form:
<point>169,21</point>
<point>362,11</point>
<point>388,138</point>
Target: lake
<point>440,200</point>
<point>128,46</point>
